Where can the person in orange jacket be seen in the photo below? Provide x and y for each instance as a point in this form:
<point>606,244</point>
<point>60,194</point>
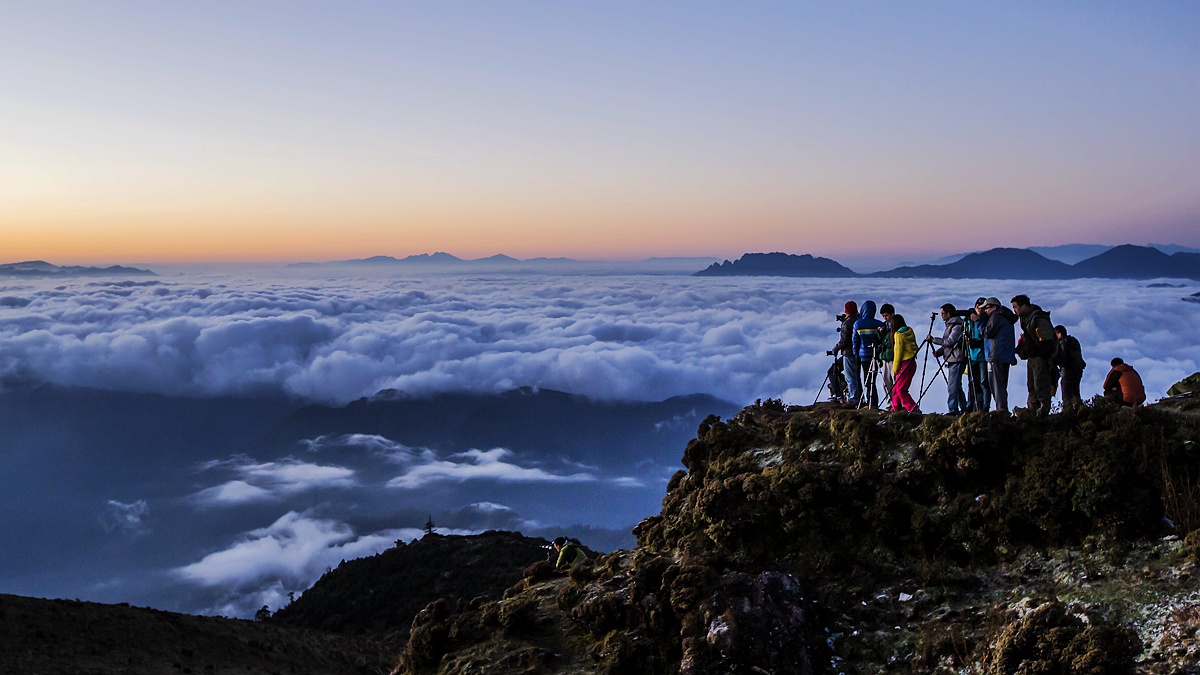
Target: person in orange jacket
<point>1123,385</point>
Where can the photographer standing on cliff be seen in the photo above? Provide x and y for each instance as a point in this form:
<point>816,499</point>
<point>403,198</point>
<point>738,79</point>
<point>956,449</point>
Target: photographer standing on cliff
<point>979,396</point>
<point>1038,346</point>
<point>999,344</point>
<point>1069,360</point>
<point>867,342</point>
<point>845,347</point>
<point>950,349</point>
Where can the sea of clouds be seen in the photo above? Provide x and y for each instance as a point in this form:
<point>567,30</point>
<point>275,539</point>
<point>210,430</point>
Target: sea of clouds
<point>604,336</point>
<point>607,337</point>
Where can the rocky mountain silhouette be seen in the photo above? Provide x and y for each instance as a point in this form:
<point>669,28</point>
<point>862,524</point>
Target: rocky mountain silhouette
<point>997,263</point>
<point>381,594</point>
<point>41,268</point>
<point>778,264</point>
<point>1119,262</point>
<point>1139,262</point>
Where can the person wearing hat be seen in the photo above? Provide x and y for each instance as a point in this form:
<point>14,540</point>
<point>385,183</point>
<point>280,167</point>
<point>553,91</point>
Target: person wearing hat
<point>979,397</point>
<point>999,345</point>
<point>954,358</point>
<point>845,347</point>
<point>1038,346</point>
<point>887,342</point>
<point>1069,360</point>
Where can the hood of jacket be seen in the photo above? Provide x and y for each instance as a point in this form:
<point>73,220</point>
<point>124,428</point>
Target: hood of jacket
<point>868,310</point>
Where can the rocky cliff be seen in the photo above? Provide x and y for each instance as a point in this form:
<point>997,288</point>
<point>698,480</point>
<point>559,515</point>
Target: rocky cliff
<point>809,540</point>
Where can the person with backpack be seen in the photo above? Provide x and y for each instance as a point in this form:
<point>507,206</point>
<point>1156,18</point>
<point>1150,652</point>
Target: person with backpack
<point>999,345</point>
<point>1123,385</point>
<point>1069,359</point>
<point>570,553</point>
<point>866,342</point>
<point>1037,346</point>
<point>904,364</point>
<point>950,350</point>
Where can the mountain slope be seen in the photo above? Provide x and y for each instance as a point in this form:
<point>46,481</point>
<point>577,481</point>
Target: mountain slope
<point>53,637</point>
<point>997,263</point>
<point>810,540</point>
<point>381,594</point>
<point>1139,262</point>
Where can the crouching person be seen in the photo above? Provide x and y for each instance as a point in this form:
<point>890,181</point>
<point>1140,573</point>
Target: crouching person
<point>1123,385</point>
<point>570,553</point>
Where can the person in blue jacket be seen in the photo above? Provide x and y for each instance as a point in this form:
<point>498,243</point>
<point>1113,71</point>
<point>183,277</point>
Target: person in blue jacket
<point>867,343</point>
<point>979,396</point>
<point>1000,348</point>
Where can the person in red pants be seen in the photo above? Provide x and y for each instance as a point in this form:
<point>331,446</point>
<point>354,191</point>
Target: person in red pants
<point>904,364</point>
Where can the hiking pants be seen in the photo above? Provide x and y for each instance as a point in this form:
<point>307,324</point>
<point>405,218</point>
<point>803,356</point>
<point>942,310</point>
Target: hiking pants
<point>1041,385</point>
<point>955,401</point>
<point>904,377</point>
<point>889,379</point>
<point>853,383</point>
<point>998,379</point>
<point>979,397</point>
<point>1070,388</point>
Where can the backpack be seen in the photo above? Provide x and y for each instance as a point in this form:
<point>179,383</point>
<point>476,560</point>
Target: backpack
<point>1187,386</point>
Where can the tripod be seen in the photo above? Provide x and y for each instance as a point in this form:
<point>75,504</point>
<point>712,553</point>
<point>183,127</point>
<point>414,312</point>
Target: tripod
<point>871,379</point>
<point>837,381</point>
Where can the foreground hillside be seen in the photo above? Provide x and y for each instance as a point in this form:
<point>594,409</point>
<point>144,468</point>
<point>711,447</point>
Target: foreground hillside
<point>53,637</point>
<point>811,541</point>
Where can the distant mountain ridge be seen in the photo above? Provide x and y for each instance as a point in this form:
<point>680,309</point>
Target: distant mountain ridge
<point>1126,261</point>
<point>778,264</point>
<point>41,268</point>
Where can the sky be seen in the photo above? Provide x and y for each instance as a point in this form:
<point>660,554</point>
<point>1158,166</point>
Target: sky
<point>282,131</point>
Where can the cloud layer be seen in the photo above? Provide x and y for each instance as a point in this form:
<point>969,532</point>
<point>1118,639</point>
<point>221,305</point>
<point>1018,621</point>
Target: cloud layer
<point>608,337</point>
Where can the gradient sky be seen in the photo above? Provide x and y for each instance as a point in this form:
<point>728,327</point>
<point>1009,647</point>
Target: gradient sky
<point>160,131</point>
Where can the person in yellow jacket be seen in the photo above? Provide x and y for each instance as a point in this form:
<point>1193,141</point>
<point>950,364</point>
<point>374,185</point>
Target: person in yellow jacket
<point>904,363</point>
<point>570,553</point>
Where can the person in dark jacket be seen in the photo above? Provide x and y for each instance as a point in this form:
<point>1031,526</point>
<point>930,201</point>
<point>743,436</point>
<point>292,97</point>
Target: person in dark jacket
<point>845,347</point>
<point>866,343</point>
<point>1123,385</point>
<point>886,343</point>
<point>950,350</point>
<point>999,344</point>
<point>1038,346</point>
<point>1069,360</point>
<point>979,396</point>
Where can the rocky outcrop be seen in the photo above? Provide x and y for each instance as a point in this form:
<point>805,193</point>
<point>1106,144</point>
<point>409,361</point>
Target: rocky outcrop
<point>812,540</point>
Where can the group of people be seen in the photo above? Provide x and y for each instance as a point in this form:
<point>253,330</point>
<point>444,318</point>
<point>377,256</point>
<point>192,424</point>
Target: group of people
<point>980,342</point>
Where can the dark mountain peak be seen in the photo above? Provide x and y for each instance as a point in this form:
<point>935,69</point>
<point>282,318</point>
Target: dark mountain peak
<point>1128,261</point>
<point>382,593</point>
<point>439,257</point>
<point>996,263</point>
<point>779,265</point>
<point>498,258</point>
